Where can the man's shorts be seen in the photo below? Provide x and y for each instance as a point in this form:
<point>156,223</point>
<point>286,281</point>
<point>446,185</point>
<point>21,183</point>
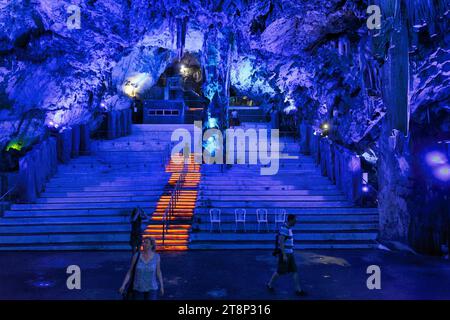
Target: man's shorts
<point>286,267</point>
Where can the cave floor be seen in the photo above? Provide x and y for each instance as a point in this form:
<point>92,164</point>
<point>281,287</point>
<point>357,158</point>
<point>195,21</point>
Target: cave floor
<point>325,274</point>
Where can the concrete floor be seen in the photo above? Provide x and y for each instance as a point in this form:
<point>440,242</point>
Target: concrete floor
<point>330,274</point>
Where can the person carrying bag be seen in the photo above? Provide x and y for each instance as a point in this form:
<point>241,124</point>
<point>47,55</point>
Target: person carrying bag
<point>127,287</point>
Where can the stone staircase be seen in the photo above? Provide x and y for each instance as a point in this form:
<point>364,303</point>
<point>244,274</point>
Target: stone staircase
<point>175,235</point>
<point>86,205</point>
<point>326,219</point>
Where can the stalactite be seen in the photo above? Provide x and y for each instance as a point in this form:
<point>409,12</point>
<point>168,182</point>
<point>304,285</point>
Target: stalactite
<point>181,27</point>
<point>395,70</point>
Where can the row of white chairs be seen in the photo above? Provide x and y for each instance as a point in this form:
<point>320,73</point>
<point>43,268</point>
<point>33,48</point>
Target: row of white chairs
<point>240,215</point>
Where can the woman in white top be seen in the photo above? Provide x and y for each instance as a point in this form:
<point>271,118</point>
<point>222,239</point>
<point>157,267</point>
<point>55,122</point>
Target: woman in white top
<point>147,273</point>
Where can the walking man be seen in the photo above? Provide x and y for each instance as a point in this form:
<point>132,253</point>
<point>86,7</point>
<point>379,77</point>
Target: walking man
<point>286,258</point>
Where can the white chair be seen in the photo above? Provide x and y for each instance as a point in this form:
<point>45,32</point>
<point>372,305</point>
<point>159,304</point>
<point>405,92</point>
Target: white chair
<point>239,215</point>
<point>280,217</point>
<point>261,217</point>
<point>214,217</point>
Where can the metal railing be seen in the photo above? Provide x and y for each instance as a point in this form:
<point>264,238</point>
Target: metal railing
<point>5,199</point>
<point>174,197</point>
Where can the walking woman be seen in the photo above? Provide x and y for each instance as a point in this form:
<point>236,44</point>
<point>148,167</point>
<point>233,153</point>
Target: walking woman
<point>141,281</point>
<point>137,215</point>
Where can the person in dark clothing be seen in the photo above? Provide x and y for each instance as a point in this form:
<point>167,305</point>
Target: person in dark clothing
<point>286,258</point>
<point>235,119</point>
<point>137,216</point>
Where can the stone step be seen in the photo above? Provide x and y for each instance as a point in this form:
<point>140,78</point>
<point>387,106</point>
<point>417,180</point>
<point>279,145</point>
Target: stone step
<point>353,245</point>
<point>151,158</point>
<point>216,169</point>
<point>94,205</point>
<point>136,128</point>
<point>266,187</point>
<point>246,175</point>
<point>125,227</point>
<point>98,179</point>
<point>57,220</point>
<point>129,188</point>
<point>63,229</point>
<point>258,178</point>
<point>300,184</point>
<point>234,237</point>
<point>83,228</point>
<point>264,198</point>
<point>102,194</point>
<point>288,205</point>
<point>119,246</point>
<point>261,193</point>
<point>303,236</point>
<point>112,168</point>
<point>80,213</point>
<point>303,226</point>
<point>65,238</point>
<point>111,176</point>
<point>124,183</point>
<point>205,218</point>
<point>298,211</point>
<point>98,199</point>
<point>91,180</point>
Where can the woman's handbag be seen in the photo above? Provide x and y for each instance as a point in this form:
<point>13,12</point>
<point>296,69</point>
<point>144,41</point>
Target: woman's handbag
<point>128,292</point>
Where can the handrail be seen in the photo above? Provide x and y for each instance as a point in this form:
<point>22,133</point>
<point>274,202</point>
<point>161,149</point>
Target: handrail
<point>8,192</point>
<point>174,196</point>
<point>4,197</point>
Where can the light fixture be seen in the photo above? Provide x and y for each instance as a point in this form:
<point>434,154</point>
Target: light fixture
<point>135,84</point>
<point>213,123</point>
<point>53,125</point>
<point>443,173</point>
<point>435,158</point>
<point>365,188</point>
<point>15,144</point>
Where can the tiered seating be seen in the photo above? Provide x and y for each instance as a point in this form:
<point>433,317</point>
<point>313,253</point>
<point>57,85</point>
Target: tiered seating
<point>86,205</point>
<point>326,219</point>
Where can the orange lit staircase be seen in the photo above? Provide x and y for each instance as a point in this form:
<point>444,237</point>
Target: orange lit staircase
<point>172,232</point>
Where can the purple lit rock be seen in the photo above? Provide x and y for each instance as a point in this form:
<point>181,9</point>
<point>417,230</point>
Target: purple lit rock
<point>75,141</point>
<point>64,145</point>
<point>85,139</point>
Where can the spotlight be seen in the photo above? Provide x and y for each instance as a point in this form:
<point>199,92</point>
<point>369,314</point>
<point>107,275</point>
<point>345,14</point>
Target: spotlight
<point>15,145</point>
<point>53,125</point>
<point>443,173</point>
<point>435,158</point>
<point>325,126</point>
<point>365,189</point>
<point>213,123</point>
